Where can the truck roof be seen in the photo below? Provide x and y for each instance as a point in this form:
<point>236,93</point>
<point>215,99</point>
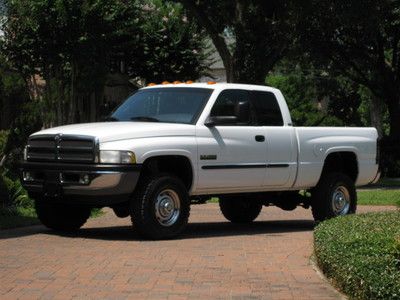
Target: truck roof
<point>215,86</point>
<point>222,86</point>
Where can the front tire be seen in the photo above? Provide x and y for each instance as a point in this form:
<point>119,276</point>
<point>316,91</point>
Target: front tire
<point>160,208</point>
<point>335,195</point>
<point>239,210</point>
<point>61,216</point>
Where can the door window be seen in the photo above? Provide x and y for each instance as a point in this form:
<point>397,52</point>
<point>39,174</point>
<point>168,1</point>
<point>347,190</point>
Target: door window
<point>266,109</point>
<point>226,105</point>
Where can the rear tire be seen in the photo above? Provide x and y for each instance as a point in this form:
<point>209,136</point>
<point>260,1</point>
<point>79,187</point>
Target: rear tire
<point>160,207</point>
<point>61,216</point>
<point>335,195</point>
<point>240,210</point>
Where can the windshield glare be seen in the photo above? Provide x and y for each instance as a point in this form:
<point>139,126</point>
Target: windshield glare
<point>168,105</point>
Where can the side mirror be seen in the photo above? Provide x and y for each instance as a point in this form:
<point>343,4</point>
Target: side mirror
<point>220,120</point>
<point>241,115</point>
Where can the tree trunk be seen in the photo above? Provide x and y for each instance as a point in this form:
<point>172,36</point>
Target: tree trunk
<point>72,101</point>
<point>216,37</point>
<point>228,64</point>
<point>394,118</point>
<point>49,97</point>
<point>59,103</point>
<point>376,114</point>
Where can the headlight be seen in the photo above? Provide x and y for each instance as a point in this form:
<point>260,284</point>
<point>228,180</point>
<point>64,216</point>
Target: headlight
<point>117,157</point>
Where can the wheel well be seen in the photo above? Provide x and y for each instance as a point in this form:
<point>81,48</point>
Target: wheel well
<point>344,162</point>
<point>177,165</point>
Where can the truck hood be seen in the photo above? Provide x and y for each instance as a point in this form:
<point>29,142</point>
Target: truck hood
<point>114,131</point>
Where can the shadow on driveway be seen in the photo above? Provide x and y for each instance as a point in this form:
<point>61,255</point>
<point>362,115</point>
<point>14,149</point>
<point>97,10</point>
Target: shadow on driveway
<point>193,230</point>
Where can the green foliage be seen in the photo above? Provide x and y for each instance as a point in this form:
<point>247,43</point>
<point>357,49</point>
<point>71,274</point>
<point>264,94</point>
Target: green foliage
<point>3,140</point>
<point>250,36</point>
<point>170,47</point>
<point>12,194</point>
<point>378,197</point>
<point>17,217</point>
<point>13,92</point>
<point>315,95</point>
<point>96,212</point>
<point>360,42</point>
<point>302,97</point>
<point>360,253</point>
<point>75,44</point>
<point>27,122</point>
<point>365,110</point>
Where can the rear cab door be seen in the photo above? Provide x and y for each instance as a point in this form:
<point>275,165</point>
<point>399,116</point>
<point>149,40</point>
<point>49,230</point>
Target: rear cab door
<point>280,138</point>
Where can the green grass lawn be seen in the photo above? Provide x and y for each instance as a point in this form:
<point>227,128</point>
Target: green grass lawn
<point>369,197</point>
<point>96,212</point>
<point>379,197</point>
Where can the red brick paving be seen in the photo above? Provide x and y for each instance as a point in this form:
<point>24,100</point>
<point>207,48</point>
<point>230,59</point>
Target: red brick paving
<point>268,259</point>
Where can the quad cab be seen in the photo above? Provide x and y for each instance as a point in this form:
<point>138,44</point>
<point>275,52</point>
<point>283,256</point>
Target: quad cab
<point>169,146</point>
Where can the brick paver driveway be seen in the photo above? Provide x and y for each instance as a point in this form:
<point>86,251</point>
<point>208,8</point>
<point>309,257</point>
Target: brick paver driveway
<point>212,259</point>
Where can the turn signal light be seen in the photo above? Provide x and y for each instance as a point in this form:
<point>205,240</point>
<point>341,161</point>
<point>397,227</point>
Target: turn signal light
<point>178,82</point>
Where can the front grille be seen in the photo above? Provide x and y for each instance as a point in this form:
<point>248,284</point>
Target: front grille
<point>61,148</point>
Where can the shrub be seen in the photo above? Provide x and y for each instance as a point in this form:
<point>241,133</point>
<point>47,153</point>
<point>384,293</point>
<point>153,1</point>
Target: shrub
<point>361,254</point>
<point>3,140</point>
<point>12,193</point>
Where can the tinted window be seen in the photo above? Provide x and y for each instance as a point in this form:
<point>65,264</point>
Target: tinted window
<point>226,104</point>
<point>267,109</point>
<point>169,105</point>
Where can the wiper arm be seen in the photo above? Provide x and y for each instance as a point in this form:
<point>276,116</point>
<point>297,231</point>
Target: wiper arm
<point>145,119</point>
<point>111,119</point>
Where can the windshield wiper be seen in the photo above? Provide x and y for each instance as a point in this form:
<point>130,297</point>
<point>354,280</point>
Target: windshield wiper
<point>111,119</point>
<point>145,119</point>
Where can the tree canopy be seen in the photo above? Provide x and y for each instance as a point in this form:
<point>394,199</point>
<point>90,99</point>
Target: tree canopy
<point>250,36</point>
<point>342,51</point>
<point>74,44</point>
<point>359,40</point>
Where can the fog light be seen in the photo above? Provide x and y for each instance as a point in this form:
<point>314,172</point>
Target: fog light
<point>28,176</point>
<point>84,179</point>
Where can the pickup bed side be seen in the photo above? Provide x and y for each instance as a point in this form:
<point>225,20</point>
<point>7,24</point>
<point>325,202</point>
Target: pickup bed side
<point>317,143</point>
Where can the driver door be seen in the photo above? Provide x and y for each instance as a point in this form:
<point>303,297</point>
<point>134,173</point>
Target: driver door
<point>231,156</point>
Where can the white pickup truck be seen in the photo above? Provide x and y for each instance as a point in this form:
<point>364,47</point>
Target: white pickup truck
<point>171,145</point>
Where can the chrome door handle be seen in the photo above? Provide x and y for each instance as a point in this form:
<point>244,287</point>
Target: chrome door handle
<point>260,138</point>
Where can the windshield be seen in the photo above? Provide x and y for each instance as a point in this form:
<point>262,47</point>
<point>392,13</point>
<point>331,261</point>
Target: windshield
<point>168,105</point>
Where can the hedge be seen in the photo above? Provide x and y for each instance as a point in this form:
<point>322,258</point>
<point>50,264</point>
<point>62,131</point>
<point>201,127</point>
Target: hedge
<point>361,254</point>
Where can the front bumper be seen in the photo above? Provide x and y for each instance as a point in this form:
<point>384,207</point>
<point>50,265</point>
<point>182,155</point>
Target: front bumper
<point>92,184</point>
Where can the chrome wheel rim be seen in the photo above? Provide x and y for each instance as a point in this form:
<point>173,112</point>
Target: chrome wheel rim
<point>341,201</point>
<point>167,207</point>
